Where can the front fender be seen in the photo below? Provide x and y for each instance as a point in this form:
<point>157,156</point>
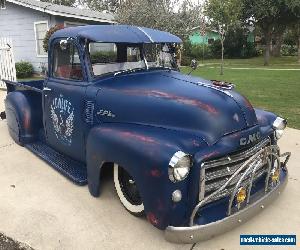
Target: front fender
<point>145,153</point>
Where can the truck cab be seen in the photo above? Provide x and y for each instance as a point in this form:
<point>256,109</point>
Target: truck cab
<point>189,154</point>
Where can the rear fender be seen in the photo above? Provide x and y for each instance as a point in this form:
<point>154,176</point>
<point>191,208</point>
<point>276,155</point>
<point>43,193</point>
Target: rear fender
<point>24,115</point>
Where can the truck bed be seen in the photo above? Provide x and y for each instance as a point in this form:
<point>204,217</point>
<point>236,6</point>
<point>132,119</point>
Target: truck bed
<point>34,85</point>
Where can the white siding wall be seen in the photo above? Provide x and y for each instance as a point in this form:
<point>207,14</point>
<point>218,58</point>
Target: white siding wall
<point>17,23</point>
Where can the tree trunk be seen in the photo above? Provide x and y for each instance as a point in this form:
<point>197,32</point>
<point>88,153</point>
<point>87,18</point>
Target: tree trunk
<point>222,62</point>
<point>278,44</point>
<point>299,48</point>
<point>268,37</point>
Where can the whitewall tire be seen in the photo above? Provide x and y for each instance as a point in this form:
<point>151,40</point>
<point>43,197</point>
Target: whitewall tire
<point>127,191</point>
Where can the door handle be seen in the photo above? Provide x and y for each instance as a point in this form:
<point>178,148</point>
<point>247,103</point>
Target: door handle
<point>46,89</point>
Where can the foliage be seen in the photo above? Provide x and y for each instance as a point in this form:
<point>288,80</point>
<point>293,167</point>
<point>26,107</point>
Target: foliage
<point>288,50</point>
<point>61,2</point>
<point>195,51</point>
<point>161,15</point>
<point>103,57</point>
<point>24,69</point>
<point>270,16</point>
<point>49,34</point>
<point>222,16</point>
<point>103,5</point>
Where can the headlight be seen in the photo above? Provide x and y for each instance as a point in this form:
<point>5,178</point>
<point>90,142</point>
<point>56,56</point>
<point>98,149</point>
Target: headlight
<point>179,166</point>
<point>279,125</point>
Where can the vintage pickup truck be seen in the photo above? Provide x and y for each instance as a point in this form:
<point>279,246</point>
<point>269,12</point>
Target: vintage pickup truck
<point>191,155</point>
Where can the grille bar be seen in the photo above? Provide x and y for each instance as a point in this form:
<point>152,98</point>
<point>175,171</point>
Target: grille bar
<point>216,172</point>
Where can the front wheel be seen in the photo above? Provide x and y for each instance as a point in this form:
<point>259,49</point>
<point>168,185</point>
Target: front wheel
<point>127,191</point>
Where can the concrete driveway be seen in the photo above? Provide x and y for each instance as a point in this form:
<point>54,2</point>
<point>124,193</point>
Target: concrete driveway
<point>41,208</point>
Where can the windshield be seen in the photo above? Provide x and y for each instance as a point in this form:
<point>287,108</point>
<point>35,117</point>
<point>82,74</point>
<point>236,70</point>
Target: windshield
<point>117,58</point>
<point>160,56</point>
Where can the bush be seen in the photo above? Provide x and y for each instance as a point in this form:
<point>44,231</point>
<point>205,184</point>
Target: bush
<point>288,50</point>
<point>24,69</point>
<point>186,60</point>
<point>103,57</point>
<point>191,51</point>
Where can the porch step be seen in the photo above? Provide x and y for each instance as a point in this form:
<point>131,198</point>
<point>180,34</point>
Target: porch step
<point>71,169</point>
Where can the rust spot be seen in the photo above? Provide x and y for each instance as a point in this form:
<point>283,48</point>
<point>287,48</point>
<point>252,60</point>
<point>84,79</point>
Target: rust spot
<point>195,143</point>
<point>248,104</point>
<point>209,155</point>
<point>26,119</point>
<point>152,219</point>
<point>138,137</point>
<point>156,173</point>
<point>180,99</point>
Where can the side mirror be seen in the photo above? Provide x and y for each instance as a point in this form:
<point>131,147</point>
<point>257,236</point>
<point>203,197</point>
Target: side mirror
<point>194,64</point>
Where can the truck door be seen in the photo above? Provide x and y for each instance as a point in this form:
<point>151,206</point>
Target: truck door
<point>64,93</point>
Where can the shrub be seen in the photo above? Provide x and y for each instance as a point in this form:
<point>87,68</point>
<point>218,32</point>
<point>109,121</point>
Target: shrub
<point>24,69</point>
<point>288,50</point>
<point>186,60</point>
<point>196,51</point>
<point>103,57</point>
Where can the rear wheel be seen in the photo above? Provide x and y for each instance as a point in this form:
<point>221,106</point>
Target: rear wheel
<point>127,191</point>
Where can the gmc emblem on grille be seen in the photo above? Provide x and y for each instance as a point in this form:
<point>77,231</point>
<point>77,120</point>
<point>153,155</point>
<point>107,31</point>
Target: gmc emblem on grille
<point>250,139</point>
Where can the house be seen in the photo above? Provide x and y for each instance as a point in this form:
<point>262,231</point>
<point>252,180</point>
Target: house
<point>26,22</point>
<point>210,36</point>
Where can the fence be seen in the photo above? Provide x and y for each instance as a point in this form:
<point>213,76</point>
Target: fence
<point>7,62</point>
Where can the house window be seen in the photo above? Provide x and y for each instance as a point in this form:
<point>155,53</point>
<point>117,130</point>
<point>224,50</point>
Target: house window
<point>211,41</point>
<point>2,4</point>
<point>40,29</point>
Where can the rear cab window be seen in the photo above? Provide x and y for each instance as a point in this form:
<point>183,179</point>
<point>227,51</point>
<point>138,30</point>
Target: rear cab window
<point>110,57</point>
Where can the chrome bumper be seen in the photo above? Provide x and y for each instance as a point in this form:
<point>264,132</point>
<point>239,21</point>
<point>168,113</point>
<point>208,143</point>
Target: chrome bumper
<point>197,233</point>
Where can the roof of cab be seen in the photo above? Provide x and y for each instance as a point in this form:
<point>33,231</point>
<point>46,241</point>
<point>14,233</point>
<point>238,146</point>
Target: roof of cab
<point>117,34</point>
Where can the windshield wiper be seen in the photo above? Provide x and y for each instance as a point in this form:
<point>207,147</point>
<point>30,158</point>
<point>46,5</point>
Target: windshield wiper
<point>127,71</point>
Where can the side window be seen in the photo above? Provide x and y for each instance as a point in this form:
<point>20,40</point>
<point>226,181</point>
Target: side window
<point>66,61</point>
<point>133,54</point>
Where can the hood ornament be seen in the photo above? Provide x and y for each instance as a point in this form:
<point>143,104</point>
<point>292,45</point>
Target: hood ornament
<point>222,84</point>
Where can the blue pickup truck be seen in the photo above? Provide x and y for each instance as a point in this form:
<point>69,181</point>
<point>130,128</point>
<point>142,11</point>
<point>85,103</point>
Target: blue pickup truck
<point>192,155</point>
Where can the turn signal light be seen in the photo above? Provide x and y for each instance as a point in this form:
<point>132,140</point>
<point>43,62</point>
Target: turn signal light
<point>275,175</point>
<point>241,195</point>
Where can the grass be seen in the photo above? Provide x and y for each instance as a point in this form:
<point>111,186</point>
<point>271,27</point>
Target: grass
<point>275,62</point>
<point>276,91</point>
<point>30,79</point>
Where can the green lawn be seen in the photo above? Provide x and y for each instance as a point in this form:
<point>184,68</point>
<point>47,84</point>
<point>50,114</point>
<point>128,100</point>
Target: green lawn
<point>276,91</point>
<point>275,62</point>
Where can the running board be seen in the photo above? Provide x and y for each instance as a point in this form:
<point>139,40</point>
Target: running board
<point>71,169</point>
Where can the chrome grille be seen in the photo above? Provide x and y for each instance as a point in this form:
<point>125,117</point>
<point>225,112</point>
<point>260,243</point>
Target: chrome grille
<point>215,173</point>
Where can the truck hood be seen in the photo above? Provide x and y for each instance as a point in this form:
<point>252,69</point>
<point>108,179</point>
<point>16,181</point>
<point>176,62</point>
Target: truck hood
<point>175,101</point>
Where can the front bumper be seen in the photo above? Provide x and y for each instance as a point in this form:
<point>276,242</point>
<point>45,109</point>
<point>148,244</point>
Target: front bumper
<point>197,233</point>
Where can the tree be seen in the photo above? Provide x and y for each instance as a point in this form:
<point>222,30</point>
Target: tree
<point>271,16</point>
<point>294,6</point>
<point>160,15</point>
<point>61,2</point>
<point>222,15</point>
<point>102,5</point>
